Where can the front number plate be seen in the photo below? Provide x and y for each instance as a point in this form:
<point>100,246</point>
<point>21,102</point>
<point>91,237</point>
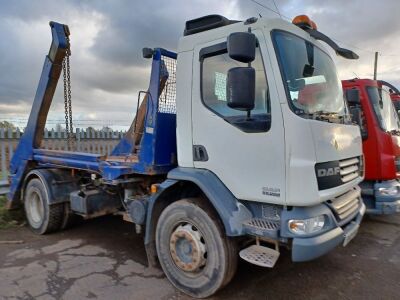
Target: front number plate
<point>348,236</point>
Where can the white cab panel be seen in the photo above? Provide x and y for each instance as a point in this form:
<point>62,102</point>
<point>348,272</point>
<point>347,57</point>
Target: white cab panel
<point>184,109</point>
<point>249,164</point>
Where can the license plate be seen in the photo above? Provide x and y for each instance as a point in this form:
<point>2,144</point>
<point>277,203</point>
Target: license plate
<point>348,236</point>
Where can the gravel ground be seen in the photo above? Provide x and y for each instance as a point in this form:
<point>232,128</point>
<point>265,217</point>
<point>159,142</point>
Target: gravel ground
<point>104,259</point>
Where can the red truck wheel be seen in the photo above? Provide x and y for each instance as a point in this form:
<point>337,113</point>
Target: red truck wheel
<point>192,248</point>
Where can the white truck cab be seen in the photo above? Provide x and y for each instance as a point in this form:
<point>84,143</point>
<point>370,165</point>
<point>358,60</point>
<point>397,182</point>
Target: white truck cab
<point>293,161</point>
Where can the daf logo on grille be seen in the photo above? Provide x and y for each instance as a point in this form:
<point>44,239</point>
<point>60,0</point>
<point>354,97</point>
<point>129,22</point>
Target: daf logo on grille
<point>328,172</point>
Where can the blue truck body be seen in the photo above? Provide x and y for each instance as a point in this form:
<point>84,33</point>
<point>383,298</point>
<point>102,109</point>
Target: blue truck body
<point>157,153</point>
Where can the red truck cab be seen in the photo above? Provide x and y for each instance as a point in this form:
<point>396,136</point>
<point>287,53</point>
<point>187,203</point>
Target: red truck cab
<point>380,130</point>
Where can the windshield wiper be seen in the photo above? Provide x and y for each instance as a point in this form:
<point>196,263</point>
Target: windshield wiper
<point>394,132</point>
<point>324,116</point>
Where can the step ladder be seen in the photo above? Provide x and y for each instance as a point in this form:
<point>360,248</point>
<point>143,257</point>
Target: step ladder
<point>260,255</point>
<point>257,254</point>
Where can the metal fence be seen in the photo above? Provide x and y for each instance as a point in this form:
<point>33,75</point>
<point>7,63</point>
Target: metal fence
<point>91,141</point>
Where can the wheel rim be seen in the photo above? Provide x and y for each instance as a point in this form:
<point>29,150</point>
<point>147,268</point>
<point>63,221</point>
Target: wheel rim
<point>188,248</point>
<point>35,207</point>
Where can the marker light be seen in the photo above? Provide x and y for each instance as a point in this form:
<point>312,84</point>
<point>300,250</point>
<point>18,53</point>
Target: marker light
<point>154,188</point>
<point>307,226</point>
<point>304,22</point>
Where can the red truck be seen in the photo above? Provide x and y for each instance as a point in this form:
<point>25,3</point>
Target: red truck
<point>370,105</point>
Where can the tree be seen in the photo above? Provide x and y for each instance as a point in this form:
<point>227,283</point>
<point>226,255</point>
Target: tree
<point>7,125</point>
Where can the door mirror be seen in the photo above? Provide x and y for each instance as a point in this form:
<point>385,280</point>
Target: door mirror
<point>241,88</point>
<point>357,118</point>
<point>242,46</point>
<point>353,97</point>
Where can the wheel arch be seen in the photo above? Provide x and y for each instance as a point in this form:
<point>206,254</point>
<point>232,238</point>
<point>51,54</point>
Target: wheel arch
<point>190,182</point>
<point>58,183</point>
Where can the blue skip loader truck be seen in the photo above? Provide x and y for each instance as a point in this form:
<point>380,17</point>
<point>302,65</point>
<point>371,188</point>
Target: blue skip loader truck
<point>221,160</point>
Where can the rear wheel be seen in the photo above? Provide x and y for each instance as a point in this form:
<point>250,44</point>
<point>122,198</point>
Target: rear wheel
<point>193,250</point>
<point>42,217</point>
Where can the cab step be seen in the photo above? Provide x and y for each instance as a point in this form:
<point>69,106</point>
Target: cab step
<point>260,255</point>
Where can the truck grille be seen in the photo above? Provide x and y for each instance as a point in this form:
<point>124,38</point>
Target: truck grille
<point>349,169</point>
<point>346,204</point>
<point>337,172</point>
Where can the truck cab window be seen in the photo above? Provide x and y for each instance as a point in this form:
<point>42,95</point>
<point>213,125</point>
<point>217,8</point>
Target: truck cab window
<point>214,76</point>
<point>384,109</point>
<point>310,77</point>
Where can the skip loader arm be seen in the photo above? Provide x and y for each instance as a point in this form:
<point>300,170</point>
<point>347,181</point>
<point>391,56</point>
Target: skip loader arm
<point>33,134</point>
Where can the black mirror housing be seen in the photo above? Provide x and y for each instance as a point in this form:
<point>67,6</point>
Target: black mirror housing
<point>242,46</point>
<point>241,88</point>
<point>353,96</point>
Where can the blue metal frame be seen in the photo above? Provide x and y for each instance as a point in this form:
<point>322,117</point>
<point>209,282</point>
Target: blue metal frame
<point>33,134</point>
<point>158,144</point>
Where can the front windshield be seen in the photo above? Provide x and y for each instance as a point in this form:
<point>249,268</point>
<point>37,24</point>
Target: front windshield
<point>396,104</point>
<point>310,76</point>
<point>383,108</point>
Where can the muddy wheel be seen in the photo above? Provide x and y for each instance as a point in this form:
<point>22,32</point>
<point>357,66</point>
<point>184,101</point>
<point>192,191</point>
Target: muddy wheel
<point>193,250</point>
<point>42,217</point>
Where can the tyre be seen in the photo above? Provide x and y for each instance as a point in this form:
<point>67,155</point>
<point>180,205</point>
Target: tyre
<point>42,217</point>
<point>192,248</point>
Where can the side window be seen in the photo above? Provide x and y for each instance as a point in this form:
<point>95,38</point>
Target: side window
<point>214,74</point>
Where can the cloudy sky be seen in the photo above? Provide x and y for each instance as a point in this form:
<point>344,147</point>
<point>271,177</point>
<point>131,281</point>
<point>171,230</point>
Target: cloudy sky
<point>107,37</point>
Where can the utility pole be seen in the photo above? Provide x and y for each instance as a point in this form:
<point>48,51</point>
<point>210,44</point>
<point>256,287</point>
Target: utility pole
<point>376,65</point>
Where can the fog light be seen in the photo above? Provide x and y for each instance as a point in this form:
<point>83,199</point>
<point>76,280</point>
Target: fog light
<point>391,191</point>
<point>307,226</point>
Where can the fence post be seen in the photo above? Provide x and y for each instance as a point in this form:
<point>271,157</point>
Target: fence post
<point>78,140</point>
<point>3,164</point>
<point>10,145</point>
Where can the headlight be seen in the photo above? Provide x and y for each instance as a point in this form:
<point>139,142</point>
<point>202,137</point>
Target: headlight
<point>391,191</point>
<point>307,226</point>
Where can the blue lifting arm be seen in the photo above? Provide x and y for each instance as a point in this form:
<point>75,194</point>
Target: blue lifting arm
<point>33,135</point>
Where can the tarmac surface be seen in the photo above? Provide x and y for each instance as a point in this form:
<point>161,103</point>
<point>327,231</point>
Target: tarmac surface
<point>104,259</point>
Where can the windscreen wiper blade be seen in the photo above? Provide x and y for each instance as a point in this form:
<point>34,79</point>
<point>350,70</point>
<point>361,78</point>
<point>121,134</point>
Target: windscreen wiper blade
<point>323,116</point>
<point>394,132</point>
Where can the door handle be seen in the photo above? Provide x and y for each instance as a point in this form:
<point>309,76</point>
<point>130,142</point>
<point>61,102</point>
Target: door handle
<point>200,153</point>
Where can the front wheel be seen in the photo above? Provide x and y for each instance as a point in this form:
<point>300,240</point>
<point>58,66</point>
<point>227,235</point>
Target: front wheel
<point>42,217</point>
<point>193,250</point>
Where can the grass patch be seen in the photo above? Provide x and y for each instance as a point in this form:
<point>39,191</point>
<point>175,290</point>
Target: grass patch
<point>9,218</point>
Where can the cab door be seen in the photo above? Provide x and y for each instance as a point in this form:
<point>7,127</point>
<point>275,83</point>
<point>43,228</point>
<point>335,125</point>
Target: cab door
<point>248,156</point>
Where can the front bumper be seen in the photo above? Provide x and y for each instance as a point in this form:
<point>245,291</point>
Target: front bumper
<point>386,208</point>
<point>384,204</point>
<point>305,249</point>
